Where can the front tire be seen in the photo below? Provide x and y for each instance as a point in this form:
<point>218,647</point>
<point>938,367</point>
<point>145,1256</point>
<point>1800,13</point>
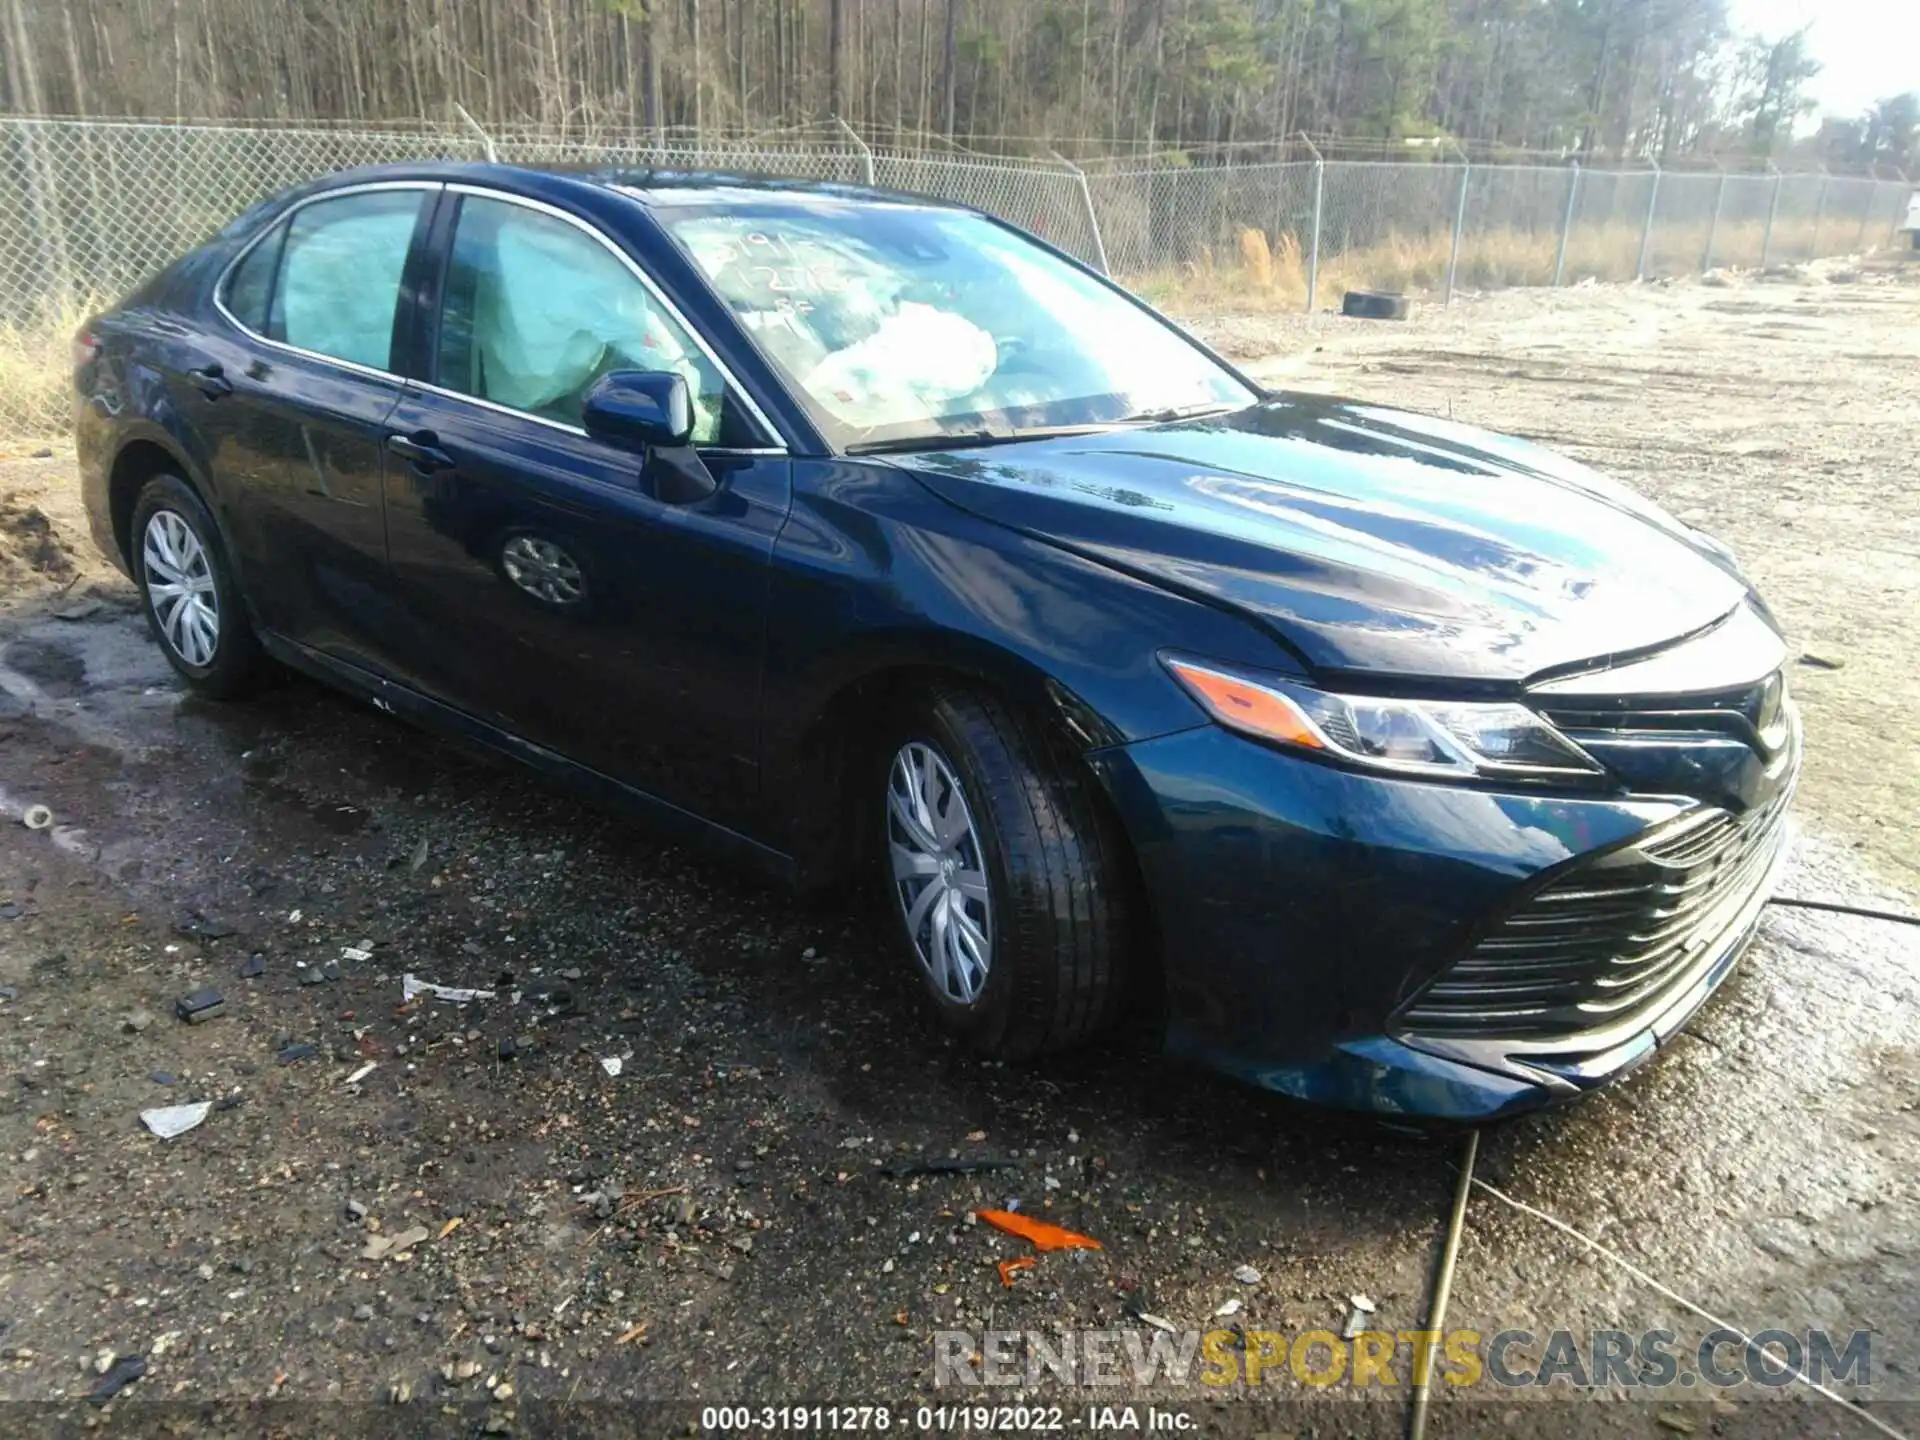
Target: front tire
<point>193,605</point>
<point>1007,877</point>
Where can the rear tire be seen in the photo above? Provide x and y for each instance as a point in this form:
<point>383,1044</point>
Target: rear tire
<point>193,604</point>
<point>1035,938</point>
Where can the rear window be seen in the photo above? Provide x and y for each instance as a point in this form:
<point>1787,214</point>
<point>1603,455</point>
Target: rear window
<point>327,278</point>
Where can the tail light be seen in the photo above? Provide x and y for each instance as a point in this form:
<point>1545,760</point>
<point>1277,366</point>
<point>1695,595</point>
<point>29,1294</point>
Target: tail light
<point>86,348</point>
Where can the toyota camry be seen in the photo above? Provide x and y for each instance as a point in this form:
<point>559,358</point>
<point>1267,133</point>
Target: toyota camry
<point>1376,759</point>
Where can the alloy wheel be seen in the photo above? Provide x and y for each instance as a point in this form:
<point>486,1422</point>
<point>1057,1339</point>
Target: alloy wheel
<point>939,872</point>
<point>180,588</point>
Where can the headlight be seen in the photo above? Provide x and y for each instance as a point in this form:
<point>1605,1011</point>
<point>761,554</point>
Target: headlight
<point>1411,737</point>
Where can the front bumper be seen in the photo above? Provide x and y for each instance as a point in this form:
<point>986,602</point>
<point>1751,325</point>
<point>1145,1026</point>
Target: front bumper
<point>1305,911</point>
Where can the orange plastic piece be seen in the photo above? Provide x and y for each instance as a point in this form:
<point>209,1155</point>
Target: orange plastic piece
<point>1043,1235</point>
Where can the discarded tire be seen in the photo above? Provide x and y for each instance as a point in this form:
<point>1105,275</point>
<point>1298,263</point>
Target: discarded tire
<point>1374,305</point>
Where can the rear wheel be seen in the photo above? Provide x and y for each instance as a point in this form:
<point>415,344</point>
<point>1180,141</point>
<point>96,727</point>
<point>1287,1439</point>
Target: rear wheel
<point>193,606</point>
<point>1006,875</point>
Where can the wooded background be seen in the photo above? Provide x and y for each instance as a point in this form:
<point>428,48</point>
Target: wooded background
<point>1660,80</point>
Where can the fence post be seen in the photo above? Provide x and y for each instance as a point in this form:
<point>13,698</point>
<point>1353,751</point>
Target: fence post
<point>1459,223</point>
<point>866,155</point>
<point>1566,227</point>
<point>1319,200</point>
<point>1773,209</point>
<point>1646,231</point>
<point>486,140</point>
<point>1086,199</point>
<point>1820,211</point>
<point>1713,226</point>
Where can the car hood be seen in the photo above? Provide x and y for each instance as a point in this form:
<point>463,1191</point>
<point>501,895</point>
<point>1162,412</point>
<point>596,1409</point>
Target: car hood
<point>1368,539</point>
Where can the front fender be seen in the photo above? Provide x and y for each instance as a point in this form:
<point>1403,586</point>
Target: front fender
<point>876,578</point>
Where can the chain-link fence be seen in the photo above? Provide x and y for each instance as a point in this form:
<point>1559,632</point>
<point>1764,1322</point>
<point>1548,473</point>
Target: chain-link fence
<point>89,208</point>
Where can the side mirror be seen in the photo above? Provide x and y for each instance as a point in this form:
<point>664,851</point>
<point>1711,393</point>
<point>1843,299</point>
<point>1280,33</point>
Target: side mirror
<point>639,409</point>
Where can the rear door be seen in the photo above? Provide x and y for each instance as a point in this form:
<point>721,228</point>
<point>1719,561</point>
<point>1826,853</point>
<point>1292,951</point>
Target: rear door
<point>544,587</point>
<point>292,397</point>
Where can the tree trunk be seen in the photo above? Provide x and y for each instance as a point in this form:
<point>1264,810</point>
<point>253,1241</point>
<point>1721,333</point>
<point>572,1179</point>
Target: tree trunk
<point>946,84</point>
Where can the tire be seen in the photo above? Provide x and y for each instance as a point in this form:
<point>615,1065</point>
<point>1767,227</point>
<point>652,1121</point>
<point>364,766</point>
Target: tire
<point>1057,893</point>
<point>171,527</point>
<point>1375,305</point>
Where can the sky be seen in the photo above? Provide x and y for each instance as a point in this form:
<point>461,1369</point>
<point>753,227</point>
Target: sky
<point>1869,48</point>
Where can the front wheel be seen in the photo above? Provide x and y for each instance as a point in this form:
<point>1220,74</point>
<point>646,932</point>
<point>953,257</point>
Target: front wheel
<point>193,605</point>
<point>1007,876</point>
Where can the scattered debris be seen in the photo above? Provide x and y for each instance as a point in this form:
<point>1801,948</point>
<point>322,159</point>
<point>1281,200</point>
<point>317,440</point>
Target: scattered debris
<point>1040,1233</point>
<point>412,986</point>
<point>1820,662</point>
<point>379,1247</point>
<point>124,1371</point>
<point>638,1332</point>
<point>452,1225</point>
<point>1158,1322</point>
<point>356,1211</point>
<point>365,1070</point>
<point>509,1047</point>
<point>201,1006</point>
<point>1246,1274</point>
<point>1355,1323</point>
<point>1227,1307</point>
<point>161,1077</point>
<point>357,953</point>
<point>170,1120</point>
<point>196,926</point>
<point>37,817</point>
<point>136,1021</point>
<point>945,1165</point>
<point>291,1053</point>
<point>1361,1302</point>
<point>83,610</point>
<point>610,1064</point>
<point>1673,1420</point>
<point>1007,1267</point>
<point>255,967</point>
<point>419,859</point>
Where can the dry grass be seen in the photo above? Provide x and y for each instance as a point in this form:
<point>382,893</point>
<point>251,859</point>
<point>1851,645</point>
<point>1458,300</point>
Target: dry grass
<point>1271,274</point>
<point>36,376</point>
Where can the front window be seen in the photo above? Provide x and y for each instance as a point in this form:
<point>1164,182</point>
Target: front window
<point>537,309</point>
<point>900,324</point>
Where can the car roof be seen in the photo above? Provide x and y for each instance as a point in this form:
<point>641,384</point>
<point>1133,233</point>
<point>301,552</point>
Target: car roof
<point>655,188</point>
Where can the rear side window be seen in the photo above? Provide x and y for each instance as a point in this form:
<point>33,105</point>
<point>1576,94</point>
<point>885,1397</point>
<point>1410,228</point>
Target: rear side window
<point>250,285</point>
<point>337,283</point>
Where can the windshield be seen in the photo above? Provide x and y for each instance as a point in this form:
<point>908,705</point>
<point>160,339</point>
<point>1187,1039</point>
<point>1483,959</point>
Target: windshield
<point>900,324</point>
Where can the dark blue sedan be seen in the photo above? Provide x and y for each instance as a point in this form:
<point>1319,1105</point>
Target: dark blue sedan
<point>1383,761</point>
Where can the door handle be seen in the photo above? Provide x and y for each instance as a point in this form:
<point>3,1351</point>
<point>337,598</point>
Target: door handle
<point>211,380</point>
<point>419,451</point>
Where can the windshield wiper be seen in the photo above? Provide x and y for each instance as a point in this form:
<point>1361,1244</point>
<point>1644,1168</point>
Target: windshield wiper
<point>962,439</point>
<point>1175,412</point>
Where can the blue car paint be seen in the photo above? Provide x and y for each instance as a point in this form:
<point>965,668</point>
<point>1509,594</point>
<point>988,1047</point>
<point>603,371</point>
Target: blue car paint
<point>1297,904</point>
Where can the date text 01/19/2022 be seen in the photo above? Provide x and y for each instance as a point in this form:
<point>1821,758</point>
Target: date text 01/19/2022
<point>940,1419</point>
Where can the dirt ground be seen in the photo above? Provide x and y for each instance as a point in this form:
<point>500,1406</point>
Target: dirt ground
<point>731,1216</point>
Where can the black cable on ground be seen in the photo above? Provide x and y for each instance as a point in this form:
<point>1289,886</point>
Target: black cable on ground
<point>1442,1287</point>
<point>1795,902</point>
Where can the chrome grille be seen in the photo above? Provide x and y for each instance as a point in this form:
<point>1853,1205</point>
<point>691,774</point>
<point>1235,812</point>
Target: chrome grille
<point>1611,937</point>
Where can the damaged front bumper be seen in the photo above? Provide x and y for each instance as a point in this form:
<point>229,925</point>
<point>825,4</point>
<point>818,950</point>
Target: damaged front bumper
<point>1438,950</point>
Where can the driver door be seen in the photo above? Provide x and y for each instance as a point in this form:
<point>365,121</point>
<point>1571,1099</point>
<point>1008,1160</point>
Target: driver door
<point>546,590</point>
